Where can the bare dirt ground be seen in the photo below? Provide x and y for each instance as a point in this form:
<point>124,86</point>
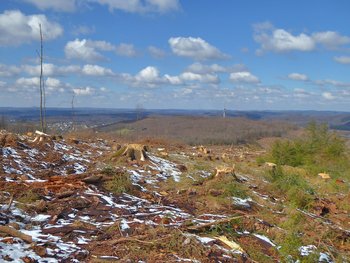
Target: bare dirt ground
<point>71,200</point>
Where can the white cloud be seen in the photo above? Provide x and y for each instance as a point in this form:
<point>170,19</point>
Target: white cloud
<point>8,70</point>
<point>148,74</point>
<point>173,80</point>
<point>330,39</point>
<point>328,96</point>
<point>332,82</point>
<point>164,6</point>
<point>52,82</point>
<point>127,50</point>
<point>205,78</point>
<point>243,77</point>
<point>84,91</point>
<point>138,6</point>
<point>202,68</point>
<point>53,85</point>
<point>156,52</point>
<point>83,50</point>
<point>83,30</point>
<point>95,70</point>
<point>280,40</point>
<point>17,28</point>
<point>298,76</point>
<point>301,93</point>
<point>50,69</point>
<point>342,59</point>
<point>195,48</point>
<point>57,5</point>
<point>148,77</point>
<point>90,50</point>
<point>28,82</point>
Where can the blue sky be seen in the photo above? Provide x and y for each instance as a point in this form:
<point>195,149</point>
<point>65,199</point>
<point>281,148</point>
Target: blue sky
<point>242,54</point>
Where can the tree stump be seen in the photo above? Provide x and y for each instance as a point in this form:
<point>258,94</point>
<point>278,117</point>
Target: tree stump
<point>133,152</point>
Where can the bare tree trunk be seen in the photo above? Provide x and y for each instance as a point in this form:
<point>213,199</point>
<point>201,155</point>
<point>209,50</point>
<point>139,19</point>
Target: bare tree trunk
<point>41,81</point>
<point>73,113</point>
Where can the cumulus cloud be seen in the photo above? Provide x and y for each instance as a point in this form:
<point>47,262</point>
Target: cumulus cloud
<point>301,93</point>
<point>50,69</point>
<point>138,6</point>
<point>202,68</point>
<point>127,50</point>
<point>57,5</point>
<point>9,70</point>
<point>342,59</point>
<point>28,82</point>
<point>195,48</point>
<point>332,82</point>
<point>148,77</point>
<point>156,52</point>
<point>328,96</point>
<point>85,91</point>
<point>82,49</point>
<point>90,50</point>
<point>243,77</point>
<point>280,40</point>
<point>298,76</point>
<point>83,30</point>
<point>17,28</point>
<point>330,39</point>
<point>95,70</point>
<point>204,78</point>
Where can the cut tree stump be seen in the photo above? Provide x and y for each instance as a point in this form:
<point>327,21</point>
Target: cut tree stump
<point>133,152</point>
<point>41,137</point>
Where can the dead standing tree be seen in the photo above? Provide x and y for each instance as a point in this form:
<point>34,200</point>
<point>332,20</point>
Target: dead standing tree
<point>42,86</point>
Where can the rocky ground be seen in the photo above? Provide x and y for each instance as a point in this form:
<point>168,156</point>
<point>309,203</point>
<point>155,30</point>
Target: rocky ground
<point>69,200</point>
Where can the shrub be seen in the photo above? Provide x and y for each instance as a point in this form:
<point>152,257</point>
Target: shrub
<point>319,150</point>
<point>295,188</point>
<point>120,182</point>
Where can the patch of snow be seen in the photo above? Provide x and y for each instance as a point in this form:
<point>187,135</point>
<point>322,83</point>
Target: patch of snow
<point>266,239</point>
<point>124,225</point>
<point>325,258</point>
<point>83,241</point>
<point>9,152</point>
<point>307,250</point>
<point>40,218</point>
<point>58,146</point>
<point>108,257</point>
<point>166,167</point>
<point>242,202</point>
<point>79,168</point>
<point>205,240</point>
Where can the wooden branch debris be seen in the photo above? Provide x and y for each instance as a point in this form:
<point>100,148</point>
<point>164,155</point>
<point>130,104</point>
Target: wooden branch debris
<point>326,222</point>
<point>217,222</point>
<point>10,203</point>
<point>15,233</point>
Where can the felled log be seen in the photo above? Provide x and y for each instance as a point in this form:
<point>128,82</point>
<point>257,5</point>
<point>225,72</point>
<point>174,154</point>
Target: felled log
<point>15,233</point>
<point>217,222</point>
<point>93,179</point>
